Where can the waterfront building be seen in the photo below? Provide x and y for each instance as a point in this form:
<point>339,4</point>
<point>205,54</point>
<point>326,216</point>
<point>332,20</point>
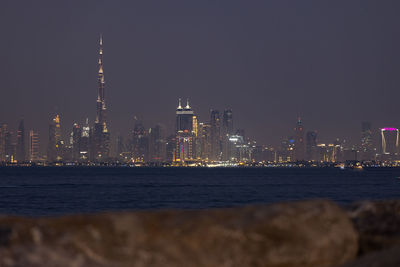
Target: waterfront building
<point>101,135</point>
<point>33,146</point>
<point>170,147</point>
<point>311,146</point>
<point>216,148</point>
<point>157,144</point>
<point>21,154</point>
<point>205,140</point>
<point>227,131</point>
<point>76,141</point>
<point>299,141</point>
<point>390,143</point>
<point>139,144</point>
<point>367,151</point>
<point>185,133</point>
<point>84,142</point>
<point>3,134</point>
<point>56,144</point>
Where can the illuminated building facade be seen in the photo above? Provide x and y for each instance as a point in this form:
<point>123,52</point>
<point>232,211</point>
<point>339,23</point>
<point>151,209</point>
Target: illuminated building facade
<point>101,135</point>
<point>76,141</point>
<point>227,131</point>
<point>185,133</point>
<point>33,146</point>
<point>55,145</point>
<point>84,142</point>
<point>390,143</point>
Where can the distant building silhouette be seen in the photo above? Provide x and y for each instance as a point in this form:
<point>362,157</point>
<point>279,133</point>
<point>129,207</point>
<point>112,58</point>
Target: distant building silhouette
<point>367,150</point>
<point>299,141</point>
<point>215,122</point>
<point>33,146</point>
<point>21,153</point>
<point>311,146</point>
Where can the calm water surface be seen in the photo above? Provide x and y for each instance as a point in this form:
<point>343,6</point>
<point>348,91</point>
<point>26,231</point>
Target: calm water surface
<point>63,190</point>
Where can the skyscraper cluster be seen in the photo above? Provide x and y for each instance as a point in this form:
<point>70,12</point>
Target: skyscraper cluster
<point>193,142</point>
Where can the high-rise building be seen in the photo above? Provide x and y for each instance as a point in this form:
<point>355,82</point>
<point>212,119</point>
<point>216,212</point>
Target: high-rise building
<point>3,134</point>
<point>7,148</point>
<point>311,146</point>
<point>227,131</point>
<point>367,151</point>
<point>56,144</point>
<point>185,133</point>
<point>33,146</point>
<point>21,154</point>
<point>215,122</point>
<point>204,138</point>
<point>76,141</point>
<point>299,141</point>
<point>101,138</point>
<point>84,143</point>
<point>170,147</point>
<point>390,143</point>
<point>157,149</point>
<point>140,143</point>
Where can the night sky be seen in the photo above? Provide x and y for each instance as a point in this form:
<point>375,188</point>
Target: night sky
<point>334,63</point>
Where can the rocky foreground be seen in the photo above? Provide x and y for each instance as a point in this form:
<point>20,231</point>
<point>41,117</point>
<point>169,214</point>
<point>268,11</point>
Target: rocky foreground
<point>309,233</point>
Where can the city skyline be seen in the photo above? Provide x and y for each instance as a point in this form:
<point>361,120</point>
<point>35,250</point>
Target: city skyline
<point>147,75</point>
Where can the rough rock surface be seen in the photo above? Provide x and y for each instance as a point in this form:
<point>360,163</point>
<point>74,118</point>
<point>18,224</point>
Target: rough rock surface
<point>309,233</point>
<point>378,224</point>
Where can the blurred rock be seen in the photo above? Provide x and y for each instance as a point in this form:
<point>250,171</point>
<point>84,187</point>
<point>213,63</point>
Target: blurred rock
<point>383,258</point>
<point>309,233</point>
<point>378,224</point>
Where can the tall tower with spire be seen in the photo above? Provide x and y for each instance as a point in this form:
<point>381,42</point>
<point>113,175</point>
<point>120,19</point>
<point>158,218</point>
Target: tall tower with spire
<point>101,103</point>
<point>101,138</point>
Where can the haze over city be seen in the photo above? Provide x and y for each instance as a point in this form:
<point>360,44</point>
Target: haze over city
<point>335,64</point>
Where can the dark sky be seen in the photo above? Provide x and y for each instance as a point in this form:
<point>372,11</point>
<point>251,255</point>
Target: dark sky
<point>335,63</point>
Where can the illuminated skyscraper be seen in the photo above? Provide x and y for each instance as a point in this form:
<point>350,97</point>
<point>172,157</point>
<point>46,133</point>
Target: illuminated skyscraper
<point>184,133</point>
<point>216,148</point>
<point>227,131</point>
<point>101,138</point>
<point>76,141</point>
<point>205,141</point>
<point>390,143</point>
<point>33,146</point>
<point>366,141</point>
<point>21,154</point>
<point>84,143</point>
<point>55,145</point>
<point>299,141</point>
